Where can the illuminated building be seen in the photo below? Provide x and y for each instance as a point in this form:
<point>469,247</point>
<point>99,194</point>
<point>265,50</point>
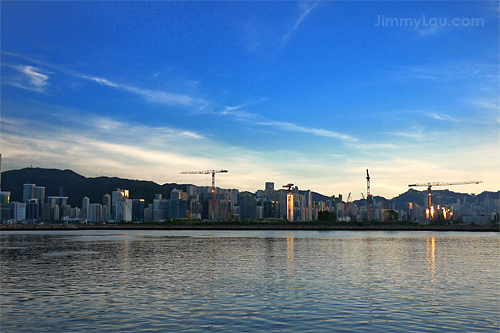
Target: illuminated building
<point>4,206</point>
<point>115,197</point>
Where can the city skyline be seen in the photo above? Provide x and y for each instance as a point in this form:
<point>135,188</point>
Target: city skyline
<point>311,93</point>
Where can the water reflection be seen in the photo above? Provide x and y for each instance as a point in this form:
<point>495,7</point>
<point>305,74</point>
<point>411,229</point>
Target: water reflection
<point>431,258</point>
<point>289,256</point>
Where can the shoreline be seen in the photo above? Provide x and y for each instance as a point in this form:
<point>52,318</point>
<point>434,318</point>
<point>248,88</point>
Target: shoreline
<point>316,227</point>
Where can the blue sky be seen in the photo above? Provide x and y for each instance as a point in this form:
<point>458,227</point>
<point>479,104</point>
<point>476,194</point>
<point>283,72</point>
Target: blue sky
<point>310,93</point>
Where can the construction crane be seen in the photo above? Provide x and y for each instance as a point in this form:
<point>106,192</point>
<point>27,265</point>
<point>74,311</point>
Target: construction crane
<point>431,184</point>
<point>289,186</point>
<point>206,172</point>
<point>368,195</point>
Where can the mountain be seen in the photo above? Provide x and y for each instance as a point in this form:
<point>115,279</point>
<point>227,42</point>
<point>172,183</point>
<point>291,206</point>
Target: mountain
<point>76,186</point>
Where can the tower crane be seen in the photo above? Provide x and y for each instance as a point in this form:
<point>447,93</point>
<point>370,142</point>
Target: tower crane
<point>289,186</point>
<point>206,172</point>
<point>431,184</point>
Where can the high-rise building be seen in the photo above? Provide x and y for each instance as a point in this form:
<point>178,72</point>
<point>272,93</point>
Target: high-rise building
<point>5,211</point>
<point>54,214</point>
<point>115,197</point>
<point>308,205</point>
<point>46,210</point>
<point>32,209</point>
<point>174,195</point>
<point>124,210</point>
<point>59,201</point>
<point>84,211</point>
<point>138,206</point>
<point>289,207</point>
<point>65,211</point>
<point>28,192</point>
<point>95,213</point>
<point>269,186</point>
<point>106,207</point>
<point>18,211</point>
<point>177,209</point>
<point>39,194</point>
<point>248,206</point>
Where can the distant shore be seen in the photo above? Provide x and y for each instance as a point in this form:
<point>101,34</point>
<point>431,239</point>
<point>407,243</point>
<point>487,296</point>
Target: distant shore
<point>247,226</point>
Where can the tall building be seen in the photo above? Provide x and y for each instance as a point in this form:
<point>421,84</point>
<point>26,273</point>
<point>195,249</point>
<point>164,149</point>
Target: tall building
<point>106,207</point>
<point>287,206</point>
<point>177,209</point>
<point>46,210</point>
<point>32,209</point>
<point>124,210</point>
<point>269,186</point>
<point>308,205</point>
<point>248,206</point>
<point>18,211</point>
<point>84,211</point>
<point>115,197</point>
<point>5,206</point>
<point>65,211</point>
<point>54,213</point>
<point>174,195</point>
<point>28,192</point>
<point>39,194</point>
<point>138,206</point>
<point>95,213</point>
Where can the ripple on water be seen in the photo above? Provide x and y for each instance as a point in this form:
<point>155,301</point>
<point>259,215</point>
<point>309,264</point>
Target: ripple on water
<point>249,281</point>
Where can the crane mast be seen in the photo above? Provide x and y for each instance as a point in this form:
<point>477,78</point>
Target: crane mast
<point>368,195</point>
<point>206,172</point>
<point>349,206</point>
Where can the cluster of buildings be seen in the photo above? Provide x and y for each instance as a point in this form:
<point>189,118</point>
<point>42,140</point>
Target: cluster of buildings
<point>203,202</point>
<point>195,203</point>
<point>467,210</point>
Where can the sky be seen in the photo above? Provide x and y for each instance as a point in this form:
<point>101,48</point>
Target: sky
<point>309,93</point>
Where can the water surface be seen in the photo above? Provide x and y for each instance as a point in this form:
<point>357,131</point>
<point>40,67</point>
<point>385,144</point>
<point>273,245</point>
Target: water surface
<point>226,281</point>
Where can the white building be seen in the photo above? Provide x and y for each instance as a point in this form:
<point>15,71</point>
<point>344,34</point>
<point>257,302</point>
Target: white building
<point>84,211</point>
<point>95,213</point>
<point>124,210</point>
<point>18,210</point>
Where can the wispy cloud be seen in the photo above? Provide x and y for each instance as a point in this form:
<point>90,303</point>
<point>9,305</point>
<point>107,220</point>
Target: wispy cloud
<point>306,9</point>
<point>315,131</point>
<point>430,31</point>
<point>241,114</point>
<point>156,96</point>
<point>441,116</point>
<point>31,78</point>
<point>36,80</point>
<point>486,103</point>
<point>449,72</point>
<point>413,135</point>
<point>238,113</point>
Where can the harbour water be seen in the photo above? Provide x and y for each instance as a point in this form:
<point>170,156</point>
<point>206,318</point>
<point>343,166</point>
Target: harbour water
<point>225,281</point>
